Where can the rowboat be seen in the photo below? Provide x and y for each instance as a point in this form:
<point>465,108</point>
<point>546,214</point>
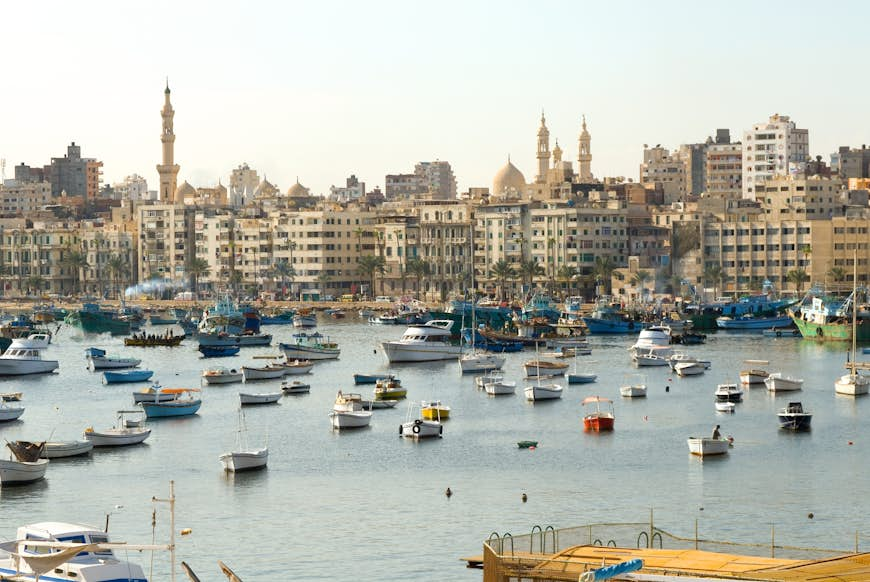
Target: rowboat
<point>103,362</point>
<point>708,446</point>
<point>218,351</point>
<point>221,375</point>
<point>184,404</point>
<point>536,368</point>
<point>127,376</point>
<point>295,387</point>
<point>62,449</point>
<point>269,372</point>
<point>259,398</point>
<point>154,341</point>
<point>14,472</point>
<point>371,378</point>
<point>153,393</point>
<point>8,412</point>
<point>119,435</point>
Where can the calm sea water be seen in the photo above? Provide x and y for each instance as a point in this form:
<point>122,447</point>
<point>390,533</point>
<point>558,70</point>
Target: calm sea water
<point>369,505</point>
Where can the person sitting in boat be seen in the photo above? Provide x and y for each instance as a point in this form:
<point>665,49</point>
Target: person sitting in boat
<point>716,434</point>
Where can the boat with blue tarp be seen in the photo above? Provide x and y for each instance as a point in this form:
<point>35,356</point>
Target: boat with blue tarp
<point>208,351</point>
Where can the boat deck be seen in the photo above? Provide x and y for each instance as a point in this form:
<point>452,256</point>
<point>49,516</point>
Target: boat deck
<point>670,564</point>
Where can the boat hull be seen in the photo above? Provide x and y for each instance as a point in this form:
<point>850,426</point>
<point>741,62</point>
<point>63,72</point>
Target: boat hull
<point>63,449</point>
<point>263,373</point>
<point>170,409</point>
<point>118,437</point>
<point>598,422</point>
<point>795,421</point>
<point>476,362</point>
<point>597,325</point>
<point>299,352</point>
<point>8,413</point>
<point>752,322</point>
<point>852,385</point>
<point>245,460</point>
<point>419,352</point>
<point>689,368</point>
<point>581,378</point>
<point>20,472</point>
<point>833,332</point>
<point>218,351</point>
<point>15,367</point>
<point>783,384</point>
<point>228,378</point>
<point>707,446</point>
<point>125,377</point>
<point>249,399</point>
<point>350,419</point>
<point>500,388</point>
<point>109,363</point>
<point>421,429</point>
<point>370,378</point>
<point>636,391</point>
<point>545,392</point>
<point>295,387</point>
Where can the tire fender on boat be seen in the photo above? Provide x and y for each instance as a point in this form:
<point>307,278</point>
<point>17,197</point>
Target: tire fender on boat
<point>400,429</point>
<point>820,332</point>
<point>778,333</point>
<point>416,428</point>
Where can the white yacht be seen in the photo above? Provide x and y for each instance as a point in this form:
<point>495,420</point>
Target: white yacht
<point>423,343</point>
<point>24,356</point>
<point>652,337</point>
<point>93,561</point>
<point>475,361</point>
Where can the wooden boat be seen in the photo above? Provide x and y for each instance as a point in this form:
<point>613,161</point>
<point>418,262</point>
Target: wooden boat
<point>537,367</point>
<point>295,387</point>
<point>708,446</point>
<point>184,404</point>
<point>634,389</point>
<point>297,367</point>
<point>778,382</point>
<point>434,410</point>
<point>269,372</point>
<point>371,378</point>
<point>582,378</point>
<point>154,341</point>
<point>527,444</point>
<point>27,451</point>
<point>11,396</point>
<point>794,417</point>
<point>350,418</point>
<point>111,363</point>
<point>542,392</point>
<point>690,368</point>
<point>63,449</point>
<point>389,390</point>
<point>500,387</point>
<point>14,472</point>
<point>218,351</point>
<point>153,393</point>
<point>127,376</point>
<point>119,435</point>
<point>598,420</point>
<point>754,375</point>
<point>244,458</point>
<point>221,375</point>
<point>8,412</point>
<point>246,398</point>
<point>725,406</point>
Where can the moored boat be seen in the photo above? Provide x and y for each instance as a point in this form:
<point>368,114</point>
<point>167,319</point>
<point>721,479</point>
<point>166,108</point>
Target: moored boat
<point>9,412</point>
<point>434,410</point>
<point>119,435</point>
<point>184,404</point>
<point>752,322</point>
<point>423,343</point>
<point>728,393</point>
<point>268,372</point>
<point>295,387</point>
<point>794,417</point>
<point>14,472</point>
<point>708,446</point>
<point>371,378</point>
<point>500,387</point>
<point>151,341</point>
<point>218,351</point>
<point>754,375</point>
<point>24,357</point>
<point>311,347</point>
<point>540,391</point>
<point>63,449</point>
<point>390,389</point>
<point>152,393</point>
<point>124,376</point>
<point>690,368</point>
<point>222,375</point>
<point>537,367</point>
<point>248,398</point>
<point>779,382</point>
<point>582,378</point>
<point>598,420</point>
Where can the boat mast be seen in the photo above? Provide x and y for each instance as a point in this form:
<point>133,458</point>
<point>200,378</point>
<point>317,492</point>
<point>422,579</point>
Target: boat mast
<point>854,310</point>
<point>171,502</point>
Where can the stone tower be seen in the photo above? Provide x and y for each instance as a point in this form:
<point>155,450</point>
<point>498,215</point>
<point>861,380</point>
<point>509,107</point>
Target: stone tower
<point>584,157</point>
<point>168,170</point>
<point>543,151</point>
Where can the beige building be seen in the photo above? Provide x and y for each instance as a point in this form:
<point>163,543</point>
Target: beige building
<point>24,197</point>
<point>794,198</point>
<point>773,148</point>
<point>724,176</point>
<point>669,170</point>
<point>166,241</point>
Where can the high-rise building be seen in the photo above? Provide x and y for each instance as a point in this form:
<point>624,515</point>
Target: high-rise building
<point>660,167</point>
<point>168,170</point>
<point>73,174</point>
<point>724,167</point>
<point>352,190</point>
<point>439,177</point>
<point>773,148</point>
<point>853,162</point>
<point>133,187</point>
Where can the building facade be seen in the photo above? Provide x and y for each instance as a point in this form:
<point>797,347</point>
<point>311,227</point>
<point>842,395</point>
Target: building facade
<point>773,148</point>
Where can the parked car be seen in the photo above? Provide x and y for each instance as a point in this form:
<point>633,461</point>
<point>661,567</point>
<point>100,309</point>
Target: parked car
<point>383,299</point>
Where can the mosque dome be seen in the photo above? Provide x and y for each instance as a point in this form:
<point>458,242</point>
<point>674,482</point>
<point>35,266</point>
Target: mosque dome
<point>265,188</point>
<point>185,190</point>
<point>297,190</point>
<point>508,179</point>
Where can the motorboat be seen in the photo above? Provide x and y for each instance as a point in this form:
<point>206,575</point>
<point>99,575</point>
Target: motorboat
<point>103,362</point>
<point>295,387</point>
<point>634,389</point>
<point>434,410</point>
<point>540,391</point>
<point>218,351</point>
<point>119,435</point>
<point>651,337</point>
<point>491,376</point>
<point>269,372</point>
<point>708,446</point>
<point>9,412</point>
<point>420,428</point>
<point>305,318</point>
<point>82,556</point>
<point>598,420</point>
<point>63,449</point>
<point>184,404</point>
<point>348,412</point>
<point>348,402</point>
<point>690,368</point>
<point>244,458</point>
<point>752,322</point>
<point>582,378</point>
<point>310,347</point>
<point>296,367</point>
<point>537,367</point>
<point>247,398</point>
<point>371,378</point>
<point>424,342</point>
<point>794,417</point>
<point>24,356</point>
<point>222,375</point>
<point>725,406</point>
<point>126,376</point>
<point>153,393</point>
<point>652,356</point>
<point>475,361</point>
<point>728,393</point>
<point>682,357</point>
<point>500,387</point>
<point>854,383</point>
<point>778,382</point>
<point>391,389</point>
<point>754,375</point>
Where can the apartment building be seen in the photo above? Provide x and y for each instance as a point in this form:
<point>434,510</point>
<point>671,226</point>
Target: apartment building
<point>772,148</point>
<point>24,197</point>
<point>724,175</point>
<point>446,243</point>
<point>660,167</point>
<point>795,198</point>
<point>32,257</point>
<point>166,241</point>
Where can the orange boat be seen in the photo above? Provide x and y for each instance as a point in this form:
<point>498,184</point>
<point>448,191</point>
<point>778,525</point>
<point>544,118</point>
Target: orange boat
<point>598,420</point>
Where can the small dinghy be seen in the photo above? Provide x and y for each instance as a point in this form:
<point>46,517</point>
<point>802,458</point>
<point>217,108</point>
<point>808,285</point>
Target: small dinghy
<point>246,398</point>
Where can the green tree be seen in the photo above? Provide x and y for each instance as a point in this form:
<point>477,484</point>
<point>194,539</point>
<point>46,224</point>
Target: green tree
<point>34,283</point>
<point>235,280</point>
<point>370,266</point>
<point>285,272</point>
<point>531,269</point>
<point>603,271</point>
<point>197,268</point>
<point>502,270</point>
<point>798,277</point>
<point>323,279</point>
<point>716,275</point>
<point>640,279</point>
<point>75,261</point>
<point>118,269</point>
<point>838,274</point>
<point>419,269</point>
<point>566,274</point>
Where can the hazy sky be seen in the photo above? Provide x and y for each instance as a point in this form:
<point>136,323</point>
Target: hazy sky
<point>320,90</point>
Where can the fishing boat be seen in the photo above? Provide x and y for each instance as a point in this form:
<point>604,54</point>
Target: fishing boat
<point>708,446</point>
<point>152,341</point>
<point>500,387</point>
<point>779,382</point>
<point>754,375</point>
<point>854,383</point>
<point>162,319</point>
<point>752,322</point>
<point>14,472</point>
<point>794,417</point>
<point>305,317</point>
<point>389,389</point>
<point>119,435</point>
<point>244,458</point>
<point>577,377</point>
<point>539,391</point>
<point>153,393</point>
<point>100,361</point>
<point>11,396</point>
<point>690,368</point>
<point>184,404</point>
<point>91,318</point>
<point>348,412</point>
<point>284,317</point>
<point>490,344</point>
<point>727,407</point>
<point>64,449</point>
<point>425,342</point>
<point>24,357</point>
<point>681,357</point>
<point>598,420</point>
<point>295,387</point>
<point>310,347</point>
<point>9,412</point>
<point>652,356</point>
<point>420,428</point>
<point>790,331</point>
<point>537,367</point>
<point>218,351</point>
<point>828,319</point>
<point>267,372</point>
<point>491,376</point>
<point>371,378</point>
<point>127,376</point>
<point>607,318</point>
<point>248,398</point>
<point>434,410</point>
<point>634,388</point>
<point>295,367</point>
<point>222,375</point>
<point>728,393</point>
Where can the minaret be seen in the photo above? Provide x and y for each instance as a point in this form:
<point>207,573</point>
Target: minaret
<point>543,151</point>
<point>584,157</point>
<point>168,170</point>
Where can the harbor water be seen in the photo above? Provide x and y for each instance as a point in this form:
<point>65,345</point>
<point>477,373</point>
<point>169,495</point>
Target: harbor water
<point>370,505</point>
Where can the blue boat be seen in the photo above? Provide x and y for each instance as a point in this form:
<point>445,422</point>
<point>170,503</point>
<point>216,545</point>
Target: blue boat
<point>608,319</point>
<point>371,378</point>
<point>489,344</point>
<point>218,351</point>
<point>178,407</point>
<point>283,318</point>
<point>750,322</point>
<point>124,376</point>
<point>94,353</point>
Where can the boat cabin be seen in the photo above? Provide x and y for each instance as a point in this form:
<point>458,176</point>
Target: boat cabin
<point>52,531</point>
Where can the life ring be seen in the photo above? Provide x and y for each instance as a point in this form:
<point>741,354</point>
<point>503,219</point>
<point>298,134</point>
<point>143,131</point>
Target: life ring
<point>416,428</point>
<point>778,333</point>
<point>417,421</point>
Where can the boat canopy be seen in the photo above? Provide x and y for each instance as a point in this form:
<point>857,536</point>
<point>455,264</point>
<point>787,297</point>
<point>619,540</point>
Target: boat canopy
<point>178,390</point>
<point>590,399</point>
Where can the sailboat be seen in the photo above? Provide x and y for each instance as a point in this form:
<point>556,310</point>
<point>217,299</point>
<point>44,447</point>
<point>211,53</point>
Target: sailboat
<point>853,383</point>
<point>580,377</point>
<point>245,458</point>
<point>475,361</point>
<point>542,391</point>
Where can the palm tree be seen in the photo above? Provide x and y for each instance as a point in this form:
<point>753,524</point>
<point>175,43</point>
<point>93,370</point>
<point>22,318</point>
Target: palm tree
<point>531,269</point>
<point>323,281</point>
<point>502,270</point>
<point>197,268</point>
<point>75,261</point>
<point>370,266</point>
<point>235,279</point>
<point>566,274</point>
<point>640,279</point>
<point>838,274</point>
<point>714,274</point>
<point>798,277</point>
<point>118,268</point>
<point>806,250</point>
<point>603,270</point>
<point>284,271</point>
<point>551,262</point>
<point>685,237</point>
<point>419,269</point>
<point>34,284</point>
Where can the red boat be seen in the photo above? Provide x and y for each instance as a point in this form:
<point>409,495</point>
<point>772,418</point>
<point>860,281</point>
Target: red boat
<point>598,420</point>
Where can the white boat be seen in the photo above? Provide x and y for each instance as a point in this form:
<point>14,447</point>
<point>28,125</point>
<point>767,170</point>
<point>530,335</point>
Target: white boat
<point>297,367</point>
<point>260,397</point>
<point>708,446</point>
<point>14,472</point>
<point>423,343</point>
<point>111,363</point>
<point>652,356</point>
<point>652,337</point>
<point>9,412</point>
<point>153,393</point>
<point>690,368</point>
<point>62,449</point>
<point>24,356</point>
<point>222,375</point>
<point>634,389</point>
<point>87,559</point>
<point>295,387</point>
<point>244,458</point>
<point>491,376</point>
<point>475,361</point>
<point>728,393</point>
<point>268,372</point>
<point>851,384</point>
<point>725,406</point>
<point>542,392</point>
<point>540,368</point>
<point>500,387</point>
<point>854,383</point>
<point>119,435</point>
<point>754,375</point>
<point>682,357</point>
<point>310,347</point>
<point>777,382</point>
<point>303,319</point>
<point>350,418</point>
